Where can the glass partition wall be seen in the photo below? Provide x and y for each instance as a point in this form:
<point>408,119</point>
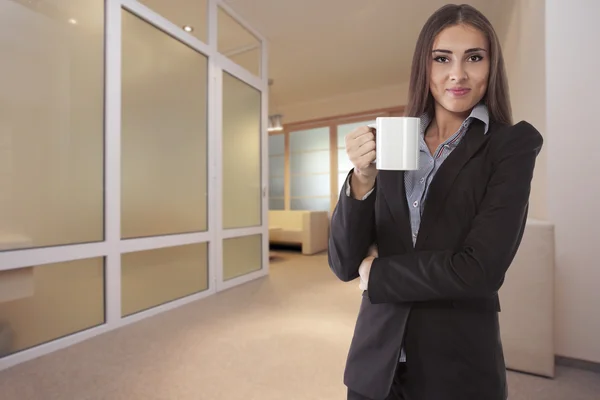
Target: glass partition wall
<point>308,163</point>
<point>133,164</point>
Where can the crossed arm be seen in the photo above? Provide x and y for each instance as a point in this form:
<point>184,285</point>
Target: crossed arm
<point>478,268</point>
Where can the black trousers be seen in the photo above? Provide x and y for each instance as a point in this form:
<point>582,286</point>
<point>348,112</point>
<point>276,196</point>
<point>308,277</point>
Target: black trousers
<point>396,393</point>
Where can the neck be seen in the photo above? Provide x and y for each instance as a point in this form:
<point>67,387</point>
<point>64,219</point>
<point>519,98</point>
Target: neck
<point>446,123</point>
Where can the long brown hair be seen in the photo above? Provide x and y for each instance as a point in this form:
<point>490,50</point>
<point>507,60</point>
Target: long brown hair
<point>496,98</point>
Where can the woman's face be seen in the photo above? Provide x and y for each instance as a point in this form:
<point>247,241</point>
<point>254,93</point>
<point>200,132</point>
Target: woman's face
<point>460,68</point>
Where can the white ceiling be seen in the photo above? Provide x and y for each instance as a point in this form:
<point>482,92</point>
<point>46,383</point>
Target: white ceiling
<point>317,48</point>
<point>322,48</point>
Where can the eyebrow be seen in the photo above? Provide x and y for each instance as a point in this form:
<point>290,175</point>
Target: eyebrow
<point>473,50</point>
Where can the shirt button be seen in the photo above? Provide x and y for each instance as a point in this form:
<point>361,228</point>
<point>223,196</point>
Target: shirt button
<point>415,235</point>
<point>422,180</point>
<point>416,204</point>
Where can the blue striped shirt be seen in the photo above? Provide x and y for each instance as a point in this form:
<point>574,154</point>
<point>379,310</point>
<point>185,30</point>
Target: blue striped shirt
<point>416,183</point>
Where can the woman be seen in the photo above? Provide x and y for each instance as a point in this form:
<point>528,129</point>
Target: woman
<point>427,328</point>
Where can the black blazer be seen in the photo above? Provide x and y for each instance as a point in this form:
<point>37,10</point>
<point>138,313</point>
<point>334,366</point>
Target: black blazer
<point>439,298</point>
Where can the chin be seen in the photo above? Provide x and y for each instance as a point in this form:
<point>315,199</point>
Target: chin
<point>458,106</point>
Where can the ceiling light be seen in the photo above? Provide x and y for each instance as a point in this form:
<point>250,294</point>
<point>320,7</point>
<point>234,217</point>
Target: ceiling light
<point>72,21</point>
<point>188,28</point>
<point>275,123</point>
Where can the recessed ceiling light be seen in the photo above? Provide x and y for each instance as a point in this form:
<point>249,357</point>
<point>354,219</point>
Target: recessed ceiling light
<point>72,21</point>
<point>188,28</point>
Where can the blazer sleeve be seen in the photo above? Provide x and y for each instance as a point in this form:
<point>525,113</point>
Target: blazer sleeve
<point>351,233</point>
<point>478,268</point>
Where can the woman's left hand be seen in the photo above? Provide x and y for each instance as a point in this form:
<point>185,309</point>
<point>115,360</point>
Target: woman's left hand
<point>365,267</point>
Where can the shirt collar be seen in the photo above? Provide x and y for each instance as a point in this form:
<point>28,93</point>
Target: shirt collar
<point>480,112</point>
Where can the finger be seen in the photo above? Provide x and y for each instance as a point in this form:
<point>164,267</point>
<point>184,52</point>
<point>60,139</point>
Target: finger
<point>366,148</point>
<point>365,130</point>
<point>358,132</point>
<point>363,157</point>
<point>364,138</point>
<point>366,160</point>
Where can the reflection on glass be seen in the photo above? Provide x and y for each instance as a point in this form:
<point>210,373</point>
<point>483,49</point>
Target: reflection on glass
<point>309,140</point>
<point>276,188</point>
<point>242,194</point>
<point>344,163</point>
<point>276,145</point>
<point>310,162</point>
<point>154,277</point>
<point>310,169</point>
<point>191,16</point>
<point>311,204</point>
<point>164,133</point>
<point>276,171</point>
<point>276,203</point>
<point>276,166</point>
<point>51,124</point>
<point>241,255</point>
<point>238,44</point>
<point>39,304</point>
<point>341,180</point>
<point>311,185</point>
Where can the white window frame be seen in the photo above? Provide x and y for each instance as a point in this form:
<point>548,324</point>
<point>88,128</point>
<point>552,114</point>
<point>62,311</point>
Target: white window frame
<point>112,247</point>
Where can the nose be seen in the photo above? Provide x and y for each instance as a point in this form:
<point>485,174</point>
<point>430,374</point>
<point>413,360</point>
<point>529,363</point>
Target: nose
<point>458,72</point>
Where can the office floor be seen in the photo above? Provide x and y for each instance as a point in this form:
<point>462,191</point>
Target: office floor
<point>282,337</point>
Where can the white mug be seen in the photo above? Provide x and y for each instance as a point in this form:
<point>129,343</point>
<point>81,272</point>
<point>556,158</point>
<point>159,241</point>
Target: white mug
<point>397,143</point>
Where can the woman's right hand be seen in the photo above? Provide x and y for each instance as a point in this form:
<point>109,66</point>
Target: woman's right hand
<point>360,148</point>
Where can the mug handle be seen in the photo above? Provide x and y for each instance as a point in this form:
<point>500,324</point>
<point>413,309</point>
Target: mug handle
<point>373,126</point>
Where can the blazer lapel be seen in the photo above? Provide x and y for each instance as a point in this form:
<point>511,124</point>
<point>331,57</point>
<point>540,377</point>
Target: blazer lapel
<point>394,193</point>
<point>444,178</point>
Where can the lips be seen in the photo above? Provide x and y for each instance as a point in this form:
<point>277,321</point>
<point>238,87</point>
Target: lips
<point>459,91</point>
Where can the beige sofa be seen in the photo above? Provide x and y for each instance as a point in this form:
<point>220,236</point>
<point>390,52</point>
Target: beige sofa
<point>308,229</point>
<point>527,302</point>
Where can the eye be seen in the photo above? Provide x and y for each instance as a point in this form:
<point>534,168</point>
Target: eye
<point>441,59</point>
<point>475,58</point>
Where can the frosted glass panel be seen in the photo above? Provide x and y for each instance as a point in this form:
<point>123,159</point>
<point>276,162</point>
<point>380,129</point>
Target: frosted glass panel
<point>276,187</point>
<point>241,256</point>
<point>312,204</point>
<point>343,130</point>
<point>39,304</point>
<point>276,204</point>
<point>341,180</point>
<point>154,277</point>
<point>311,185</point>
<point>277,166</point>
<point>51,123</point>
<point>311,139</point>
<point>344,164</point>
<point>276,145</point>
<point>164,133</point>
<point>237,43</point>
<point>242,193</point>
<point>310,163</point>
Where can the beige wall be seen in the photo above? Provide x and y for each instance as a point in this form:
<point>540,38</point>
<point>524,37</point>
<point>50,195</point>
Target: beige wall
<point>546,85</point>
<point>524,51</point>
<point>384,97</point>
<point>573,184</point>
